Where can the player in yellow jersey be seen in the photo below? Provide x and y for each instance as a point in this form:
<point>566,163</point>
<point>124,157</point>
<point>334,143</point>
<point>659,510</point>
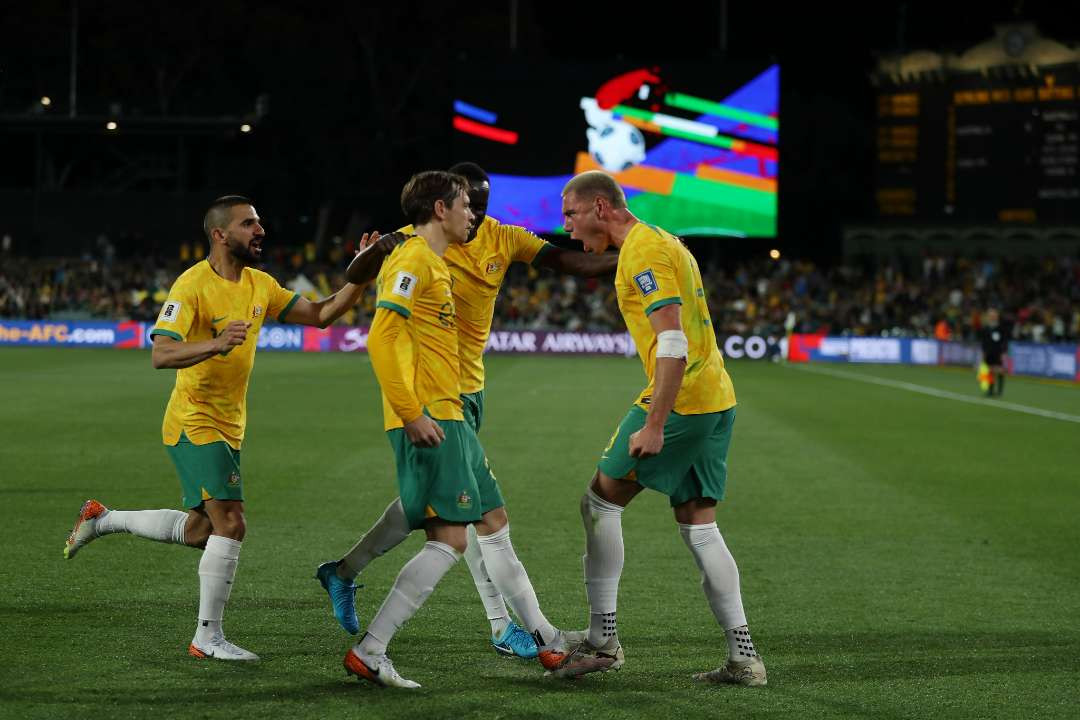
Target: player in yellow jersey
<point>207,331</point>
<point>444,481</point>
<point>477,268</point>
<point>675,437</point>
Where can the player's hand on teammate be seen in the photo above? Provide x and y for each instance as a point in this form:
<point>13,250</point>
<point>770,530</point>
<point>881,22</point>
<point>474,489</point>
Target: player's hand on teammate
<point>385,243</point>
<point>367,240</point>
<point>235,333</point>
<point>424,432</point>
<point>646,442</point>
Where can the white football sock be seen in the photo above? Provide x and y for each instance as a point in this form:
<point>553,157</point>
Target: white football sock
<point>165,526</point>
<point>489,595</point>
<point>603,561</point>
<point>217,568</point>
<point>720,581</point>
<point>414,584</point>
<point>510,578</point>
<point>389,531</point>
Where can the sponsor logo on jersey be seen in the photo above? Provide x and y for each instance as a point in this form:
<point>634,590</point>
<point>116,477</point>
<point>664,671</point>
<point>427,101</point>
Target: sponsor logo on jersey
<point>646,282</point>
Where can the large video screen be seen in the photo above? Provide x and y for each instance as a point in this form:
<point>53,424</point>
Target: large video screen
<point>694,146</point>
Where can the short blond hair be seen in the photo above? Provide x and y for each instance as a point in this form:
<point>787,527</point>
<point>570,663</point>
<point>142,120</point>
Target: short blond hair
<point>596,183</point>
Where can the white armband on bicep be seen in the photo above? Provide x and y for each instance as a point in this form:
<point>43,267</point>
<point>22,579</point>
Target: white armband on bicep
<point>672,344</point>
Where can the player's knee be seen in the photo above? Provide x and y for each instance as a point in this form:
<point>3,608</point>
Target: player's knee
<point>197,530</point>
<point>492,522</point>
<point>459,544</point>
<point>232,526</point>
<point>197,536</point>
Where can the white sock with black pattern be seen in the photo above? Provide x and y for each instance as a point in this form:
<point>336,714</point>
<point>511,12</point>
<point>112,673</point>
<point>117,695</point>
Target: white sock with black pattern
<point>603,561</point>
<point>720,582</point>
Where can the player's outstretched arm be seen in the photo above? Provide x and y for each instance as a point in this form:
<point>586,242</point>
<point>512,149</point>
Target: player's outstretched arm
<point>373,250</point>
<point>421,430</point>
<point>670,366</point>
<point>576,262</point>
<point>322,313</point>
<point>169,353</point>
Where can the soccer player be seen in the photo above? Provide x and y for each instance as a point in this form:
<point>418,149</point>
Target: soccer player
<point>675,437</point>
<point>444,481</point>
<point>477,268</point>
<point>207,331</point>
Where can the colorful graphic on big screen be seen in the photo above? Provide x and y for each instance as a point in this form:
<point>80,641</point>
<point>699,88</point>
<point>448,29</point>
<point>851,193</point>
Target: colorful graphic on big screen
<point>695,147</point>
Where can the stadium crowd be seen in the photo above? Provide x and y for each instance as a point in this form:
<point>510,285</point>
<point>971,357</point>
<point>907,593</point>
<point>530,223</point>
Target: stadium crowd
<point>934,296</point>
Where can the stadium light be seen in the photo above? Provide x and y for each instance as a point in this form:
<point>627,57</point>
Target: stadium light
<point>774,254</point>
<point>46,100</point>
<point>245,128</point>
<point>111,125</point>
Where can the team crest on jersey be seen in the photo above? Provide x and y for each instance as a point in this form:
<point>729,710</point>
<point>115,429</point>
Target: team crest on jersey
<point>234,479</point>
<point>170,312</point>
<point>646,282</point>
<point>464,500</point>
<point>493,267</point>
<point>404,284</point>
<point>257,311</point>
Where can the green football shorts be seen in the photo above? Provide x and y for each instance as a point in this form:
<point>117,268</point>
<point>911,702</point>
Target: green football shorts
<point>207,472</point>
<point>452,482</point>
<point>692,463</point>
<point>472,405</point>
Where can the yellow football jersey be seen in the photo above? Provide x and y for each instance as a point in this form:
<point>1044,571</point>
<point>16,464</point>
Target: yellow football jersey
<point>655,269</point>
<point>415,283</point>
<point>478,268</point>
<point>209,401</point>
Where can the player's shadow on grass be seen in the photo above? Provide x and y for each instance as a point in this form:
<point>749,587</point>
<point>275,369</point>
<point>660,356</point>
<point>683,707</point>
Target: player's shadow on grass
<point>829,657</point>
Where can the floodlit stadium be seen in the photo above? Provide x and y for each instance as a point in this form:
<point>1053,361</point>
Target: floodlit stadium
<point>767,351</point>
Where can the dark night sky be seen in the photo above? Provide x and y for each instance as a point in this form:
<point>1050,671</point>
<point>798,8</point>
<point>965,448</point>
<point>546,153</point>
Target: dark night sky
<point>358,95</point>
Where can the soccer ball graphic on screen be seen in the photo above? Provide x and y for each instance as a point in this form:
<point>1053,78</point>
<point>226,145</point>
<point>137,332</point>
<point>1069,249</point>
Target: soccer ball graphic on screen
<point>614,144</point>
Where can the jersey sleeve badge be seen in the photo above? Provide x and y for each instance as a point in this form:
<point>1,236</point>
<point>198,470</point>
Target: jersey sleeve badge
<point>646,282</point>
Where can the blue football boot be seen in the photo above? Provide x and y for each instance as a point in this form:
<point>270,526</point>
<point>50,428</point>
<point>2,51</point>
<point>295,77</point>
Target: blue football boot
<point>515,641</point>
<point>342,595</point>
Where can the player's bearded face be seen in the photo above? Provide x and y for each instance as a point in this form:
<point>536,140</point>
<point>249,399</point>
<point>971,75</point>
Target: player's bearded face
<point>244,236</point>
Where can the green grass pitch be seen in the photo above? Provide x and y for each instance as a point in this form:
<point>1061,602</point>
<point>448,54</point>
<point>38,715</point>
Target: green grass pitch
<point>902,555</point>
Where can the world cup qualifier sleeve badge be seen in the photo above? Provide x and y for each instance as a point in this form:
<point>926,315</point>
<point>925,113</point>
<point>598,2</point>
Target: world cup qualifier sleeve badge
<point>646,282</point>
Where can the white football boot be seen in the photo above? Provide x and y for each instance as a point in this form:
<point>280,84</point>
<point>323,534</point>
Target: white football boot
<point>749,673</point>
<point>220,649</point>
<point>85,528</point>
<point>376,669</point>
